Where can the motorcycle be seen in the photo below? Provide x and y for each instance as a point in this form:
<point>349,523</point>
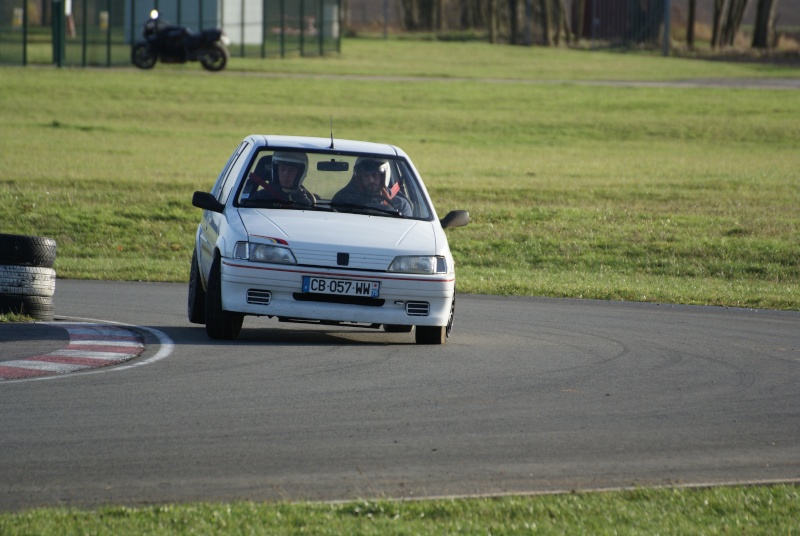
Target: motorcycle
<point>178,44</point>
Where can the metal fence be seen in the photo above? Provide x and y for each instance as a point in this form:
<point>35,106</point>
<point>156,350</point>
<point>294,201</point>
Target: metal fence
<point>101,32</point>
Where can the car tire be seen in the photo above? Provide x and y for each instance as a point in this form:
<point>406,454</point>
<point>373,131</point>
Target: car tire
<point>437,334</point>
<point>38,307</point>
<point>397,328</point>
<point>23,250</point>
<point>197,295</point>
<point>431,335</point>
<point>220,324</point>
<point>449,327</point>
<point>27,280</point>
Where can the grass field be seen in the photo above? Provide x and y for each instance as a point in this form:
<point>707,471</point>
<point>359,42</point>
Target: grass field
<point>766,510</point>
<point>576,190</point>
<point>612,192</point>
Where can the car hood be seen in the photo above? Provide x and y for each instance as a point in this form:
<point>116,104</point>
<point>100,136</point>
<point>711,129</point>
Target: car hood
<point>317,237</point>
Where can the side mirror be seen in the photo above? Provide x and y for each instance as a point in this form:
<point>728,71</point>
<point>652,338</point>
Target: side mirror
<point>455,218</point>
<point>206,201</point>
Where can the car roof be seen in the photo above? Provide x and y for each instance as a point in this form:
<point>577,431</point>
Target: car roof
<point>324,144</point>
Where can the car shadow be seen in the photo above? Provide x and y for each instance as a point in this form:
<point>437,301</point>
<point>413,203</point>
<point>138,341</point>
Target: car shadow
<point>290,336</point>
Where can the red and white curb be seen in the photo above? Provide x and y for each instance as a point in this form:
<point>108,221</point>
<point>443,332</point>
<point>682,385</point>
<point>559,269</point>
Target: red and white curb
<point>90,346</point>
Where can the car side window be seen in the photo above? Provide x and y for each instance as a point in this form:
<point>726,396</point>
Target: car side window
<point>224,173</point>
<point>233,172</point>
<point>410,190</point>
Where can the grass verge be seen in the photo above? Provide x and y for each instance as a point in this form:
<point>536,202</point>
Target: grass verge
<point>735,510</point>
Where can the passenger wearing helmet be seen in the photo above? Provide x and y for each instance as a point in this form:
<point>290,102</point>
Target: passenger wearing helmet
<point>371,187</point>
<point>288,173</point>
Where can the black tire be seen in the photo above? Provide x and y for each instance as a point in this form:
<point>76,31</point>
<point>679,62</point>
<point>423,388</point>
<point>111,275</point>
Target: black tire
<point>431,334</point>
<point>397,328</point>
<point>27,280</point>
<point>449,326</point>
<point>22,250</point>
<point>437,334</point>
<point>220,324</point>
<point>38,307</point>
<point>214,58</point>
<point>143,56</point>
<point>197,295</point>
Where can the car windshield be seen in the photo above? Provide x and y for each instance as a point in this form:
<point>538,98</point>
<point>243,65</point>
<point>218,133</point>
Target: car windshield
<point>356,183</point>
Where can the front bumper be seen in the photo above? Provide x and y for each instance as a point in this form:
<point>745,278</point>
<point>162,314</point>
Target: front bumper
<point>276,290</point>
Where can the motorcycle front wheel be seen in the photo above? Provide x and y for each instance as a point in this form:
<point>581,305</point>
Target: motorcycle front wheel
<point>143,56</point>
<point>214,58</point>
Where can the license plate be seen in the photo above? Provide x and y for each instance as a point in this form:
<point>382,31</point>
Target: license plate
<point>341,287</point>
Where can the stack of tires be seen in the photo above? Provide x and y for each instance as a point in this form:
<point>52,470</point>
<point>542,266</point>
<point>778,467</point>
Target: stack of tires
<point>27,277</point>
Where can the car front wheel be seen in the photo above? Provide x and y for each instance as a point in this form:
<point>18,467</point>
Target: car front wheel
<point>197,296</point>
<point>436,334</point>
<point>220,324</point>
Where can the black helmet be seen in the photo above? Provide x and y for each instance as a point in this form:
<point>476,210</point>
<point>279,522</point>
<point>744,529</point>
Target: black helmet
<point>299,160</point>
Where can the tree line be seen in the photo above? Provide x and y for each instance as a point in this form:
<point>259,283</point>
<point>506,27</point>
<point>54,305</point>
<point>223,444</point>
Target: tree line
<point>549,22</point>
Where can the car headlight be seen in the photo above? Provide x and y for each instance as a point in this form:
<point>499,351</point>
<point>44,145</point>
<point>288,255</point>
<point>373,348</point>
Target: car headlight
<point>419,264</point>
<point>264,253</point>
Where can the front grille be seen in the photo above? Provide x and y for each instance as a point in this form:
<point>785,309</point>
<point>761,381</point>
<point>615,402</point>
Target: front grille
<point>331,298</point>
<point>258,297</point>
<point>417,308</point>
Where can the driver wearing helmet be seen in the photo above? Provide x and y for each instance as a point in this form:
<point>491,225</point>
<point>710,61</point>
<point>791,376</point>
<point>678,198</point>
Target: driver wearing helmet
<point>288,172</point>
<point>370,186</point>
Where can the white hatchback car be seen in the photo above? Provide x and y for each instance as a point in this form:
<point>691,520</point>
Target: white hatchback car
<point>326,231</point>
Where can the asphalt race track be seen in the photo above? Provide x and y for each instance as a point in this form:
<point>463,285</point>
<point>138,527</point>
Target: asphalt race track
<point>530,395</point>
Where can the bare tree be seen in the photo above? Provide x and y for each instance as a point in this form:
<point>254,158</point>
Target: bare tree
<point>494,21</point>
<point>546,22</point>
<point>515,28</point>
<point>719,12</point>
<point>728,16</point>
<point>764,29</point>
<point>579,16</point>
<point>563,22</point>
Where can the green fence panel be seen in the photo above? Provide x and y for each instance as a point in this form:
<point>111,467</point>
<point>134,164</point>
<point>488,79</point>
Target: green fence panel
<point>101,32</point>
<point>14,23</point>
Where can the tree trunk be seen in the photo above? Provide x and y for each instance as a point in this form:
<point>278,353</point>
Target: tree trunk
<point>410,15</point>
<point>547,33</point>
<point>732,22</point>
<point>581,12</point>
<point>565,21</point>
<point>690,23</point>
<point>764,29</point>
<point>513,22</point>
<point>493,20</point>
<point>720,7</point>
<point>528,23</point>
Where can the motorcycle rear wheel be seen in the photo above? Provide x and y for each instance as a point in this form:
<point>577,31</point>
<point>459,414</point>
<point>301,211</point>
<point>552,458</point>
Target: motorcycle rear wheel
<point>142,56</point>
<point>214,58</point>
